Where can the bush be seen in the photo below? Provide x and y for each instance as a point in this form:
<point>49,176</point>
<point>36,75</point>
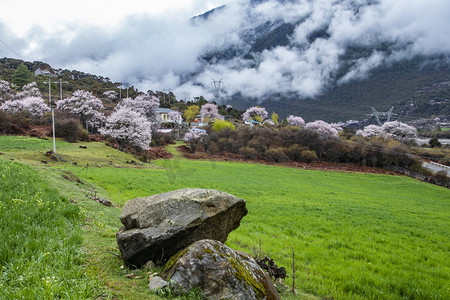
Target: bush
<point>222,124</point>
<point>9,126</point>
<point>248,152</point>
<point>275,155</point>
<point>71,130</point>
<point>434,142</point>
<point>308,156</point>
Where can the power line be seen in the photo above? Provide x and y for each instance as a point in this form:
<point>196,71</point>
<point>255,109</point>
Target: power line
<point>12,50</point>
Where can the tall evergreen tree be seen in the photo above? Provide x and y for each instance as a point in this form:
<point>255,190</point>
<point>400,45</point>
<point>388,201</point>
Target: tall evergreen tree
<point>22,76</point>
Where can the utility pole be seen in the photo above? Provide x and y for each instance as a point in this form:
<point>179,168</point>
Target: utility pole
<point>387,114</point>
<point>217,85</point>
<point>52,106</point>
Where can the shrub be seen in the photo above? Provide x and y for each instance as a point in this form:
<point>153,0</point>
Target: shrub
<point>222,124</point>
<point>308,156</point>
<point>434,142</point>
<point>248,152</point>
<point>70,130</point>
<point>275,155</point>
<point>294,152</point>
<point>9,126</point>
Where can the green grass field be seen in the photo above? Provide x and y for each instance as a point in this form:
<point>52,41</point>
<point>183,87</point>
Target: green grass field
<point>40,252</point>
<point>355,236</point>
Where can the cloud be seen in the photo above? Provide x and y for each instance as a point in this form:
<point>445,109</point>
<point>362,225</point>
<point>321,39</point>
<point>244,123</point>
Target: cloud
<point>156,52</point>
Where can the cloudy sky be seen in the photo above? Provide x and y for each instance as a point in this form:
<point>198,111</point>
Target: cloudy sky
<point>154,45</point>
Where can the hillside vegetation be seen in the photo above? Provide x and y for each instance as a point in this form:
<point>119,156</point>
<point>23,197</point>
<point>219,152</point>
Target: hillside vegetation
<point>354,235</point>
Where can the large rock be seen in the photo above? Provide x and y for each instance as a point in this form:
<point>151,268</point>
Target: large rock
<point>219,272</point>
<point>157,227</point>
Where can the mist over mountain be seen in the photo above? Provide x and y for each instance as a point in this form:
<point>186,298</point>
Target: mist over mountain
<point>318,59</point>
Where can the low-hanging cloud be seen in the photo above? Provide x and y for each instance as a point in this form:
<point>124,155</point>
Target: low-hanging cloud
<point>167,52</point>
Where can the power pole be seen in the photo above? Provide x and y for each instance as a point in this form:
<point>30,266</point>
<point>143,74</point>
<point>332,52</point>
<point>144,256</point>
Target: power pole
<point>387,114</point>
<point>52,106</point>
<point>217,84</point>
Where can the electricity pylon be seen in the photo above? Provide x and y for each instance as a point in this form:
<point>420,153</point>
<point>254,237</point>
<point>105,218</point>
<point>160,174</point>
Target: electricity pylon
<point>388,114</point>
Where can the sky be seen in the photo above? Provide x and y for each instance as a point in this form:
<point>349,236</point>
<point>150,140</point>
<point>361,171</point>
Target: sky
<point>155,45</point>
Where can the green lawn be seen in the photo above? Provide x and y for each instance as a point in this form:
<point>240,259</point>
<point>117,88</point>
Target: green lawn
<point>355,236</point>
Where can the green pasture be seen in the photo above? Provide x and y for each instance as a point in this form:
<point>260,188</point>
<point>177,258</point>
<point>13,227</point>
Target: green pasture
<point>355,236</point>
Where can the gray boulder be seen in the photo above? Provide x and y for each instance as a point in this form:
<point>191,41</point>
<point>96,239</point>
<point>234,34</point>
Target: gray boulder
<point>219,272</point>
<point>156,227</point>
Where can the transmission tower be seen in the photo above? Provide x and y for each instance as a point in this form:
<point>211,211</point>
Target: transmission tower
<point>377,114</point>
<point>217,84</point>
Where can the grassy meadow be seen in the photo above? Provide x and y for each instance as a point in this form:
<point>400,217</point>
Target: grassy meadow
<point>355,236</point>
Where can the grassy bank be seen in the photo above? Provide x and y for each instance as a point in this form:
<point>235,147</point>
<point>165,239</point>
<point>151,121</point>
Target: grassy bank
<point>40,252</point>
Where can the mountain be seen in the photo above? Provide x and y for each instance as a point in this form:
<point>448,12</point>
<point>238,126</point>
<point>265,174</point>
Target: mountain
<point>377,71</point>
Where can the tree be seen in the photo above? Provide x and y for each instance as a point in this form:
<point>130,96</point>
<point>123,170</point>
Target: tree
<point>32,107</point>
<point>275,118</point>
<point>221,124</point>
<point>434,142</point>
<point>29,90</point>
<point>191,113</point>
<point>322,128</point>
<point>295,121</point>
<point>145,105</point>
<point>175,117</point>
<point>400,131</point>
<point>5,89</point>
<point>112,95</point>
<point>128,127</point>
<point>370,131</point>
<point>255,113</point>
<point>209,112</point>
<point>84,104</point>
<point>22,76</point>
<point>194,137</point>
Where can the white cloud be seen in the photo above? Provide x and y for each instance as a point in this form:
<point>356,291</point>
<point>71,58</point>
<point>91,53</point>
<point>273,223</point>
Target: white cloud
<point>159,47</point>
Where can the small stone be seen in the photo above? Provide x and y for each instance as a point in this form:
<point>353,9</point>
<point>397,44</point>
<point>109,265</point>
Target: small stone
<point>122,267</point>
<point>129,276</point>
<point>138,277</point>
<point>157,283</point>
<point>149,265</point>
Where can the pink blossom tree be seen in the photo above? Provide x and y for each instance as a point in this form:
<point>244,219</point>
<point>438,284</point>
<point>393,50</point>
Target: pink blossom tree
<point>209,112</point>
<point>144,105</point>
<point>194,137</point>
<point>84,104</point>
<point>400,131</point>
<point>322,128</point>
<point>255,113</point>
<point>112,95</point>
<point>29,90</point>
<point>175,117</point>
<point>295,121</point>
<point>32,107</point>
<point>370,131</point>
<point>128,127</point>
<point>5,89</point>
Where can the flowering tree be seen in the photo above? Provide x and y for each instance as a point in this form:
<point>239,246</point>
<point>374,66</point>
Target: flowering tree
<point>144,105</point>
<point>295,121</point>
<point>255,113</point>
<point>322,128</point>
<point>29,90</point>
<point>5,89</point>
<point>209,112</point>
<point>175,117</point>
<point>370,131</point>
<point>128,127</point>
<point>395,129</point>
<point>33,107</point>
<point>84,104</point>
<point>112,95</point>
<point>400,131</point>
<point>195,136</point>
